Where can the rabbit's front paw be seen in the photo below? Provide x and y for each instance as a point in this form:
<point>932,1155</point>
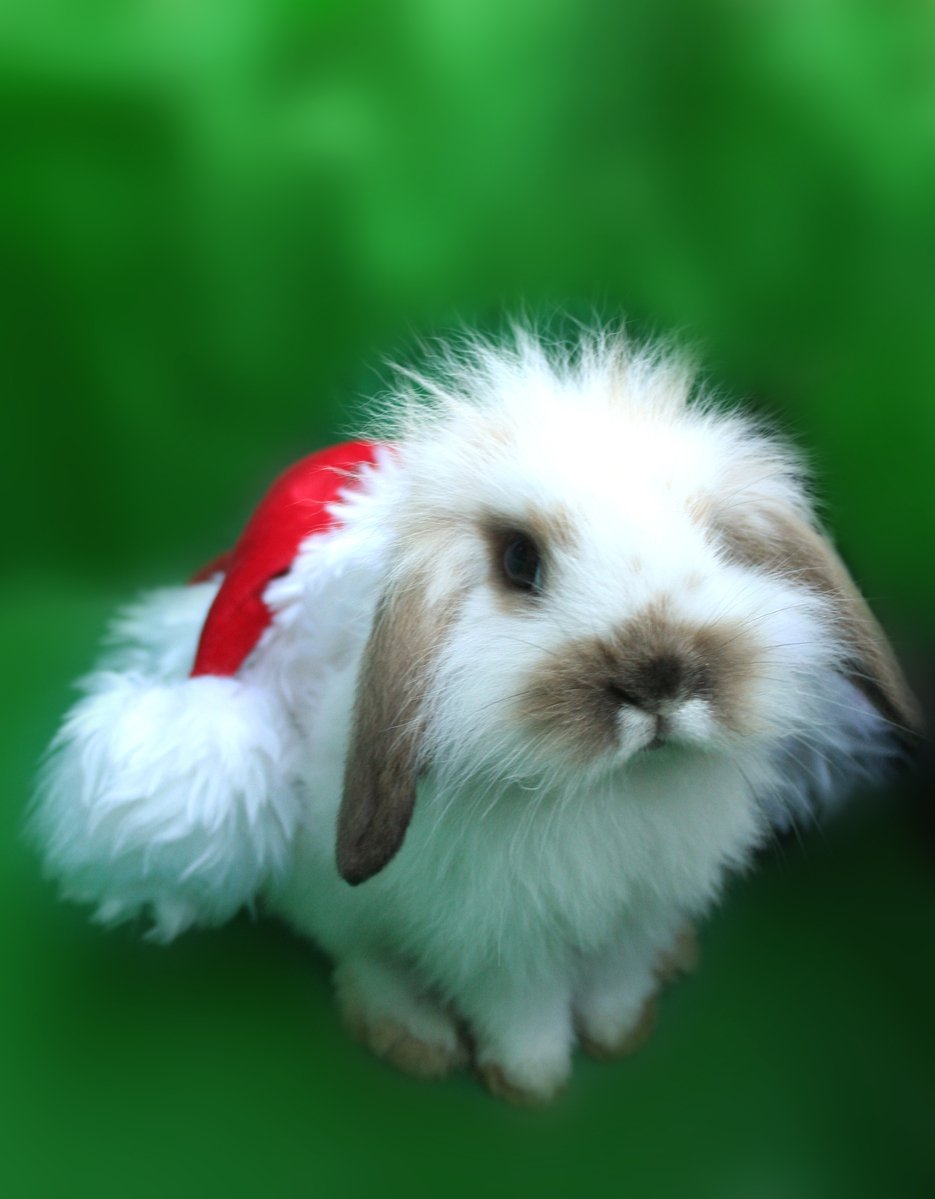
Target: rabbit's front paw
<point>386,1013</point>
<point>606,1037</point>
<point>681,958</point>
<point>524,1084</point>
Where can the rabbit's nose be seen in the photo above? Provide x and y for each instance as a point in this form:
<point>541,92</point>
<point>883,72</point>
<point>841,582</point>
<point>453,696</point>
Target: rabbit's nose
<point>657,682</point>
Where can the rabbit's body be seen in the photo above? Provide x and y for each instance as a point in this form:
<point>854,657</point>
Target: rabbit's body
<point>510,904</point>
<point>594,628</point>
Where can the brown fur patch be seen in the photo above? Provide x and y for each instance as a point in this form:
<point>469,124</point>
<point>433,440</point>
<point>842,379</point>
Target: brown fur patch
<point>576,695</point>
<point>569,698</point>
<point>792,548</point>
<point>384,760</point>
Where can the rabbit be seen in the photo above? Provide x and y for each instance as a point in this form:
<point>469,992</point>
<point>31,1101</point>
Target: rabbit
<point>488,704</point>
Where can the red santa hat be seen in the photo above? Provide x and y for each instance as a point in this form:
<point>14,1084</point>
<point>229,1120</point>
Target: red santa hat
<point>296,506</point>
<point>167,796</point>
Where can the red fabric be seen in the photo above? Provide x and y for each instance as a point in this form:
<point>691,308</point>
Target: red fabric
<point>295,507</point>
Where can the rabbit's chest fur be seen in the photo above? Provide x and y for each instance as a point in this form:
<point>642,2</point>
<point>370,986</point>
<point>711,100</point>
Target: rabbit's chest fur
<point>545,875</point>
<point>530,879</point>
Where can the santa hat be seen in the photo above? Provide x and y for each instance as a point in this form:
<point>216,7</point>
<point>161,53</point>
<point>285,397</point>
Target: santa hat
<point>167,796</point>
<point>297,506</point>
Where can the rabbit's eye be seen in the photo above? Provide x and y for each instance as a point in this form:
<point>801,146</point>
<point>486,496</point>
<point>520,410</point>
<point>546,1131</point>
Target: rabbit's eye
<point>522,563</point>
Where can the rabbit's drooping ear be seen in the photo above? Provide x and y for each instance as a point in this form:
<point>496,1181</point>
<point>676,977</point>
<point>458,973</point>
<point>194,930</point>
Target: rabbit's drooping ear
<point>786,543</point>
<point>384,759</point>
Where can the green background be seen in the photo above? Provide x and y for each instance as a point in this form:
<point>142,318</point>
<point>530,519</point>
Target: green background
<point>217,221</point>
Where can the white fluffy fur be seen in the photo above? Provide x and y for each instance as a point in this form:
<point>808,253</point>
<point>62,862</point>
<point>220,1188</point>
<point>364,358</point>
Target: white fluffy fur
<point>165,795</point>
<point>533,893</point>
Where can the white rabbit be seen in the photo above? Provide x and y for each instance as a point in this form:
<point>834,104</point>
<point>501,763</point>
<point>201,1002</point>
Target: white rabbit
<point>547,659</point>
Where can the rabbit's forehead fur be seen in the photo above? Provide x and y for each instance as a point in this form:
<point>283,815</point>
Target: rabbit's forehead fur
<point>608,447</point>
<point>625,487</point>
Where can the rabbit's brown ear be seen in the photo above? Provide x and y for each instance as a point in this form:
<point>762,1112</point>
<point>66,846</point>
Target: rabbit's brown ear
<point>385,756</point>
<point>785,543</point>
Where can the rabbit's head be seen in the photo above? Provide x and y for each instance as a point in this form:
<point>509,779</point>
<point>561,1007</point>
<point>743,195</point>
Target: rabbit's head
<point>595,567</point>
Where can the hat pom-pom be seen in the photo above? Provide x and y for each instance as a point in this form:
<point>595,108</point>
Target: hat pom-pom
<point>168,800</point>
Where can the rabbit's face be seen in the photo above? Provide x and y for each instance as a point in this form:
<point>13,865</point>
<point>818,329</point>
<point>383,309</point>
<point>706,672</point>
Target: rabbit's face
<point>594,609</point>
<point>589,572</point>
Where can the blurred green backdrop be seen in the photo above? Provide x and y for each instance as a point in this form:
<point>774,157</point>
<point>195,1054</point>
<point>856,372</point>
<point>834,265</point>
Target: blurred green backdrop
<point>217,219</point>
